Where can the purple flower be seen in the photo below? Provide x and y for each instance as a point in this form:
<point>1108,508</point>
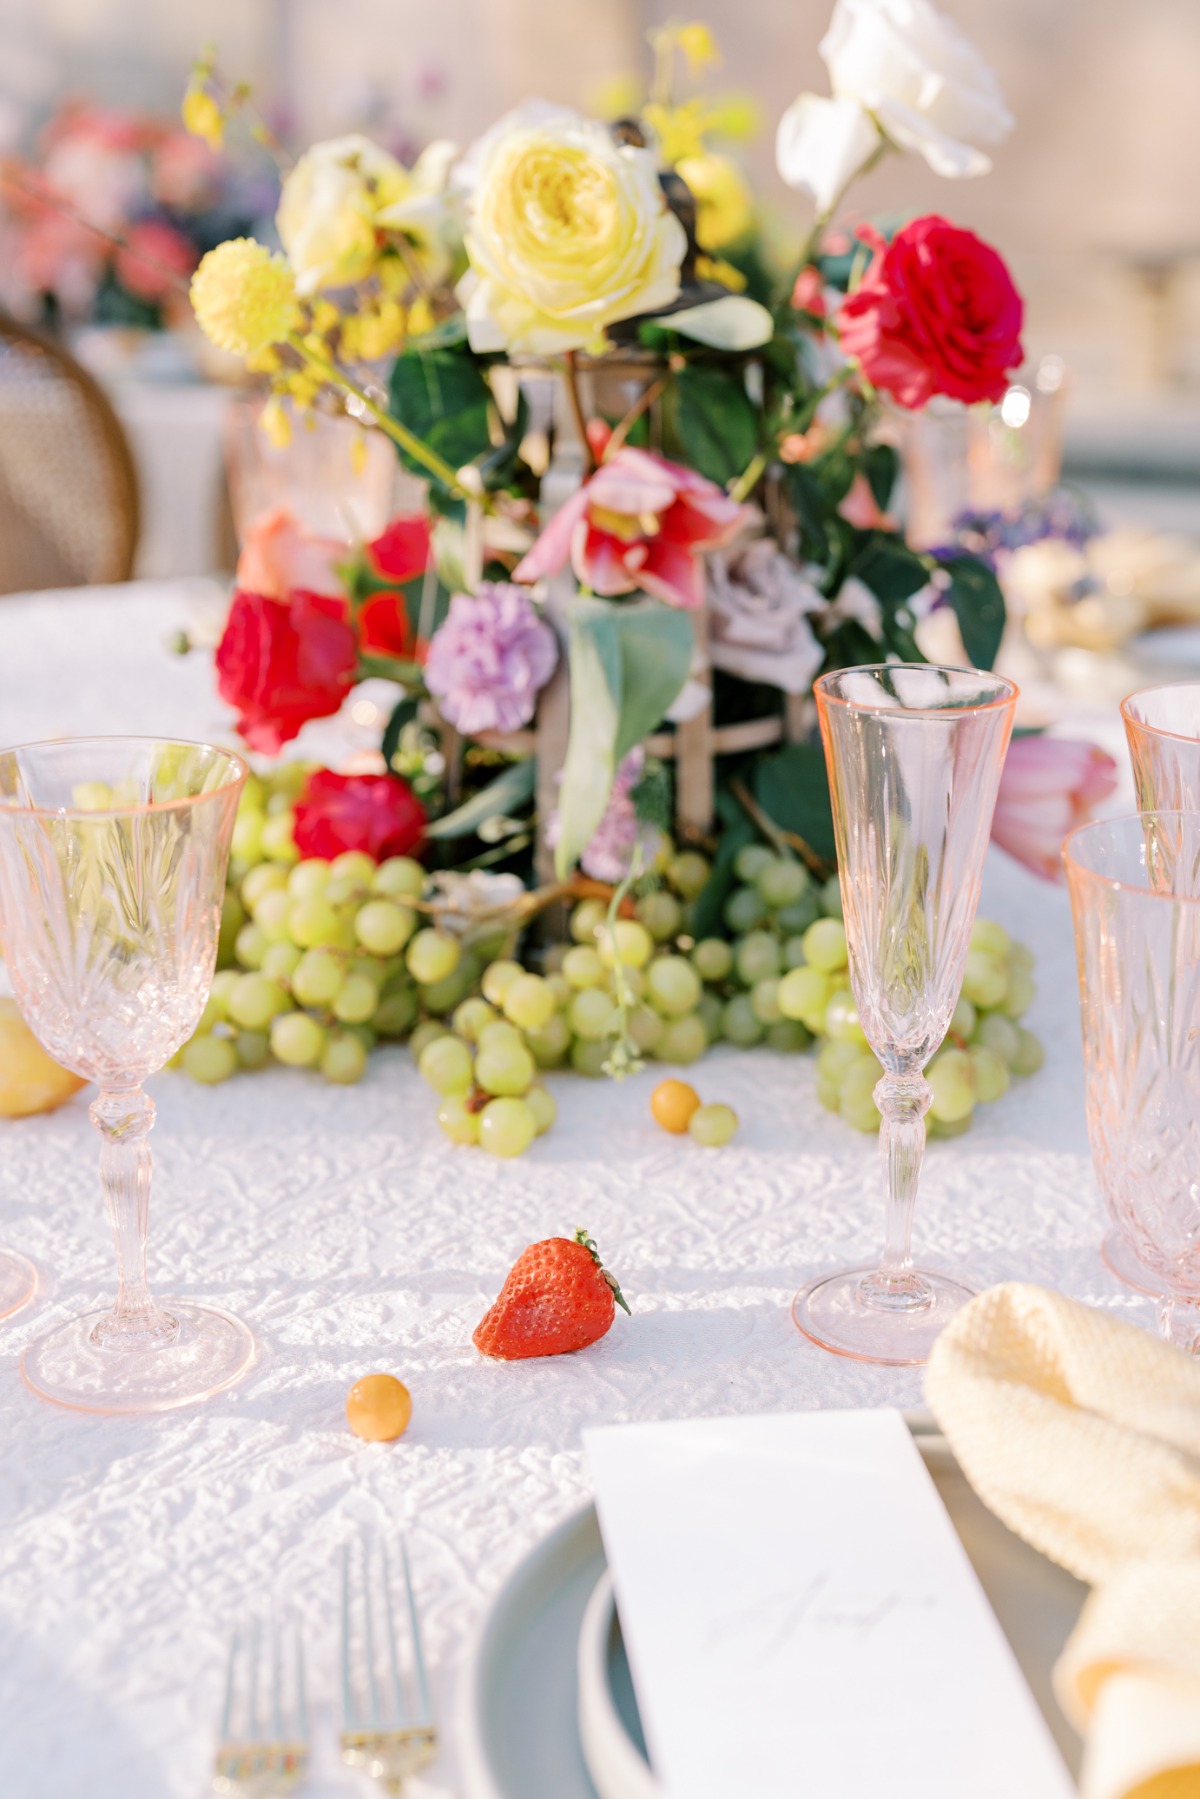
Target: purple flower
<point>609,854</point>
<point>489,660</point>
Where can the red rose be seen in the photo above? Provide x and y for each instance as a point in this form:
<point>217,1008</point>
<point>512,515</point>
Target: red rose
<point>383,626</point>
<point>936,313</point>
<point>282,662</point>
<point>402,550</point>
<point>376,813</point>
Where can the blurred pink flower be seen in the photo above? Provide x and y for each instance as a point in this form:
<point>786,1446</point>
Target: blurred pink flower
<point>154,259</point>
<point>279,558</point>
<point>641,522</point>
<point>186,173</point>
<point>1049,786</point>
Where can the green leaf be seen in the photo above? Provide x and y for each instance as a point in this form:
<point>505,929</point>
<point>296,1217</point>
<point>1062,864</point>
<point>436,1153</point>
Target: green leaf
<point>628,662</point>
<point>978,602</point>
<point>707,912</point>
<point>403,713</point>
<point>441,396</point>
<point>890,569</point>
<point>793,790</point>
<point>881,463</point>
<point>512,788</point>
<point>709,422</point>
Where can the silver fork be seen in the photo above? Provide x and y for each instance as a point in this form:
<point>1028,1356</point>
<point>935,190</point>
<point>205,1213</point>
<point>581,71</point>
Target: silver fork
<point>263,1747</point>
<point>387,1721</point>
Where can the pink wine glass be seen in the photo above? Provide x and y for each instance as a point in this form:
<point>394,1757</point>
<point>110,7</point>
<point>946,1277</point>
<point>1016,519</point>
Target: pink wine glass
<point>914,754</point>
<point>113,853</point>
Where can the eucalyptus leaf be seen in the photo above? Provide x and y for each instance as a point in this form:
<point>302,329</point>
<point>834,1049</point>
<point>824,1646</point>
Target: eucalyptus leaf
<point>440,395</point>
<point>710,422</point>
<point>792,788</point>
<point>978,602</point>
<point>512,788</point>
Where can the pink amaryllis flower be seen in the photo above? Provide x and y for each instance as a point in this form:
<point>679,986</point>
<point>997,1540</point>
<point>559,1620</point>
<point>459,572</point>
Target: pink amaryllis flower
<point>1049,786</point>
<point>641,522</point>
<point>279,558</point>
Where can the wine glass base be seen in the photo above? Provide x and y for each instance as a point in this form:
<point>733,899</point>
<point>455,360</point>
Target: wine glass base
<point>829,1312</point>
<point>18,1282</point>
<point>212,1351</point>
<point>1122,1260</point>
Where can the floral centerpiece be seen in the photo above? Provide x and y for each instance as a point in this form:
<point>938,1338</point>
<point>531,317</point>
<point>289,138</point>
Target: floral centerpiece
<point>659,485</point>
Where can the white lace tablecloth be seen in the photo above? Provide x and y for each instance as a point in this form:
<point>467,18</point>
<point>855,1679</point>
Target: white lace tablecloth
<point>342,1226</point>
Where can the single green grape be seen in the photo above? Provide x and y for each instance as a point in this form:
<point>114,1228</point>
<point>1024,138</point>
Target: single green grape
<point>253,1049</point>
<point>835,1060</point>
<point>505,1069</point>
<point>399,877</point>
<point>383,927</point>
<point>354,865</point>
<point>964,1019</point>
<point>471,1017</point>
<point>712,959</point>
<point>222,986</point>
<point>991,937</point>
<point>712,1126</point>
<point>841,1020</point>
<point>793,953</point>
<point>507,1127</point>
<point>254,1001</point>
<point>442,996</point>
<point>313,922</point>
<point>645,1029</point>
<point>992,1077</point>
<point>288,779</point>
<point>940,1127</point>
<point>209,1059</point>
<point>711,1011</point>
<point>356,1000</point>
<point>999,1034</point>
<point>233,917</point>
<point>782,882</point>
<point>428,1031</point>
<point>498,977</point>
<point>500,1033</point>
<point>549,1046</point>
<point>592,1014</point>
<point>787,1035</point>
<point>371,968</point>
<point>552,958</point>
<point>281,961</point>
<point>856,1101</point>
<point>804,995</point>
<point>764,999</point>
<point>744,910</point>
<point>1030,1054</point>
<point>584,967</point>
<point>672,986</point>
<point>272,916</point>
<point>588,1056</point>
<point>985,980</point>
<point>530,1002</point>
<point>1021,993</point>
<point>457,1119</point>
<point>250,946</point>
<point>633,980</point>
<point>277,840</point>
<point>308,878</point>
<point>245,845</point>
<point>297,1040</point>
<point>688,873</point>
<point>627,942</point>
<point>825,945</point>
<point>831,898</point>
<point>344,1060</point>
<point>397,1012</point>
<point>254,793</point>
<point>684,1040</point>
<point>317,978</point>
<point>587,919</point>
<point>343,890</point>
<point>446,1065</point>
<point>758,957</point>
<point>738,1022</point>
<point>432,956</point>
<point>749,862</point>
<point>560,987</point>
<point>796,918</point>
<point>543,1108</point>
<point>951,1075</point>
<point>661,914</point>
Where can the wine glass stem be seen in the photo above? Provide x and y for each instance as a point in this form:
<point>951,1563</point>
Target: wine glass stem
<point>1179,1322</point>
<point>124,1121</point>
<point>903,1100</point>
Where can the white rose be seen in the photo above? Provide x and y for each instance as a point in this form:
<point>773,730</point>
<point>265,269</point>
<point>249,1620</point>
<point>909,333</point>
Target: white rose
<point>903,68</point>
<point>342,192</point>
<point>759,606</point>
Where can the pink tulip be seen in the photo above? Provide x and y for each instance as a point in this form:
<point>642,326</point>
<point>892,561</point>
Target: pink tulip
<point>279,558</point>
<point>641,522</point>
<point>1049,785</point>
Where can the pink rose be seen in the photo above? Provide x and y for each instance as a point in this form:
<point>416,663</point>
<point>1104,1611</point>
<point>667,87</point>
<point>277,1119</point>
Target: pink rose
<point>1049,786</point>
<point>641,522</point>
<point>279,557</point>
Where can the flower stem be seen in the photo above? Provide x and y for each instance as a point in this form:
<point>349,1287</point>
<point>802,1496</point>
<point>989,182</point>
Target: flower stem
<point>571,371</point>
<point>748,479</point>
<point>407,440</point>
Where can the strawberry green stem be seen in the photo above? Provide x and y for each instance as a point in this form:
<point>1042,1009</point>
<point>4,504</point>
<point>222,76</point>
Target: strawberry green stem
<point>581,1236</point>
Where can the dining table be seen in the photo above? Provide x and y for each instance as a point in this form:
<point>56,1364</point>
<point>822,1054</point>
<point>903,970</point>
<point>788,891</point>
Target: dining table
<point>353,1237</point>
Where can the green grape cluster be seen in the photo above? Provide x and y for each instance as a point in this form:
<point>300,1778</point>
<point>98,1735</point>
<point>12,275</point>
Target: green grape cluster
<point>313,956</point>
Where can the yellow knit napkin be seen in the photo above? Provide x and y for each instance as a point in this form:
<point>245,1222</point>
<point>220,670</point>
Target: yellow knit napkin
<point>1082,1433</point>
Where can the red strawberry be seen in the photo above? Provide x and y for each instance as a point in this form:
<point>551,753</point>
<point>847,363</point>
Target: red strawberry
<point>557,1297</point>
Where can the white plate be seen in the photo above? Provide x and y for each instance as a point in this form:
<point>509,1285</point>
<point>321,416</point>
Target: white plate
<point>537,1676</point>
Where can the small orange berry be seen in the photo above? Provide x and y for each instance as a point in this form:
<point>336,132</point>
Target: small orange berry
<point>378,1407</point>
<point>672,1104</point>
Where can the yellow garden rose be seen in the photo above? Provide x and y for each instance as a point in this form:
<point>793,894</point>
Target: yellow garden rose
<point>344,193</point>
<point>567,233</point>
<point>724,207</point>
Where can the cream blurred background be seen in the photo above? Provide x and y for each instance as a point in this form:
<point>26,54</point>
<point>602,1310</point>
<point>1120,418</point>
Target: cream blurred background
<point>1095,198</point>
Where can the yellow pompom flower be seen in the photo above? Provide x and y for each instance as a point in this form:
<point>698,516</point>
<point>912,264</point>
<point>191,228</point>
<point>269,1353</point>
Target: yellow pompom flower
<point>724,207</point>
<point>202,117</point>
<point>567,233</point>
<point>244,298</point>
<point>274,423</point>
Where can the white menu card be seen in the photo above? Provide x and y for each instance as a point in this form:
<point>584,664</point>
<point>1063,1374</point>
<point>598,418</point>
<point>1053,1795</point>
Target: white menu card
<point>801,1618</point>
